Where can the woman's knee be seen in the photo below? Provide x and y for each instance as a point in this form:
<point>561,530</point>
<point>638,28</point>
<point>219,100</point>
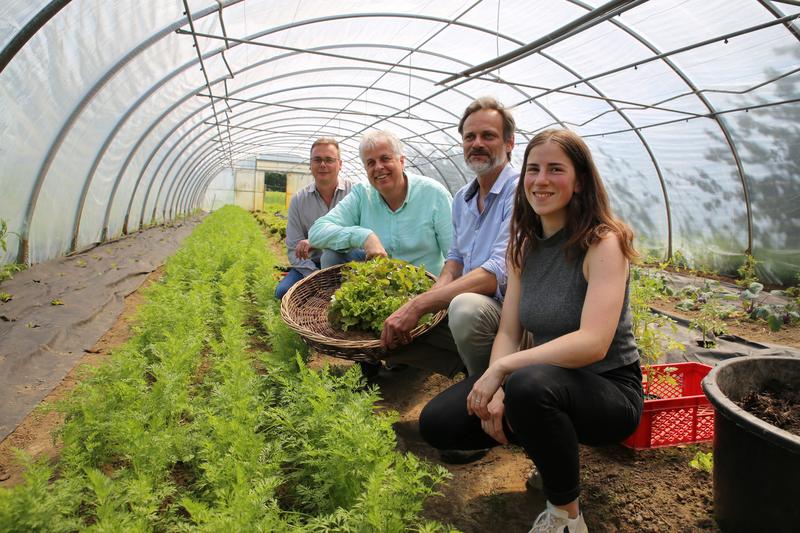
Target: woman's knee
<point>432,421</point>
<point>532,388</point>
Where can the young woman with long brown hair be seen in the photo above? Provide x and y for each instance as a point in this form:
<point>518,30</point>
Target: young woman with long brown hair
<point>568,271</point>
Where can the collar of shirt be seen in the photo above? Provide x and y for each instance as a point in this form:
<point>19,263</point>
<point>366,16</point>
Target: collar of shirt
<point>405,200</point>
<point>339,185</point>
<point>508,173</point>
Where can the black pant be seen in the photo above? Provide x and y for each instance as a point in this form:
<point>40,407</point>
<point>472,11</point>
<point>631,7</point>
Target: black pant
<point>551,409</point>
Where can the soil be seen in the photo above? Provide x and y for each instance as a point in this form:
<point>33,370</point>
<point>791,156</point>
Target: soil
<point>752,330</point>
<point>776,406</point>
<point>622,490</point>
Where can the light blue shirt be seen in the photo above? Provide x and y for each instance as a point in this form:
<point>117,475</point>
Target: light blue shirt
<point>419,232</point>
<point>480,239</point>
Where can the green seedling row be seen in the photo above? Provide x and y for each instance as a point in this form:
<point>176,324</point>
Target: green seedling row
<point>208,419</point>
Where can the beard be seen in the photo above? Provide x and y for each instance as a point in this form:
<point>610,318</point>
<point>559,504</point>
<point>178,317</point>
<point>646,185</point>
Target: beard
<point>482,167</point>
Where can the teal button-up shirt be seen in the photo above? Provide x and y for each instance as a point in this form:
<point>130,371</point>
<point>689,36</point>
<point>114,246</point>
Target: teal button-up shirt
<point>419,232</point>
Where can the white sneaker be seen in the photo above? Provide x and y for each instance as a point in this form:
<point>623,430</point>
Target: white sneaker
<point>555,520</point>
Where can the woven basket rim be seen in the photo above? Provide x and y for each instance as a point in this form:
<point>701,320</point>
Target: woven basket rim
<point>346,348</point>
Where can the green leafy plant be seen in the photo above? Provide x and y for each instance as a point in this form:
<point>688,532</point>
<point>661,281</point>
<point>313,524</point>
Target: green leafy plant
<point>651,330</point>
<point>776,315</point>
<point>189,427</point>
<point>678,261</point>
<point>703,462</point>
<point>709,322</point>
<point>3,234</point>
<point>6,297</point>
<point>56,301</point>
<point>7,271</point>
<point>373,290</point>
<point>274,222</point>
<point>747,272</point>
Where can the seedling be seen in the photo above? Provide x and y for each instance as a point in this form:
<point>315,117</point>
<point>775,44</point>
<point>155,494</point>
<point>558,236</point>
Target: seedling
<point>648,327</point>
<point>6,297</point>
<point>703,462</point>
<point>776,315</point>
<point>80,263</point>
<point>709,322</point>
<point>3,232</point>
<point>56,301</point>
<point>747,272</point>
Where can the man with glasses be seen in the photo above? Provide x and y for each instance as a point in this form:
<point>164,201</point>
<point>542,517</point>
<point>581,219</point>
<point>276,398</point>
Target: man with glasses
<point>307,205</point>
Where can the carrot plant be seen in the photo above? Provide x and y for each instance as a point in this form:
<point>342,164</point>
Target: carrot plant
<point>188,427</point>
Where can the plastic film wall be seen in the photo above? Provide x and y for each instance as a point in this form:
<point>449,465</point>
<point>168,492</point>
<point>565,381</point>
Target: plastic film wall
<point>116,115</point>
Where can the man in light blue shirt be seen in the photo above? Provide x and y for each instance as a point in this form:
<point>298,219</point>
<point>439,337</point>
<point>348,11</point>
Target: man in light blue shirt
<point>398,214</point>
<point>473,280</point>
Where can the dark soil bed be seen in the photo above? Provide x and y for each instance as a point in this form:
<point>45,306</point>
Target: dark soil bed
<point>779,407</point>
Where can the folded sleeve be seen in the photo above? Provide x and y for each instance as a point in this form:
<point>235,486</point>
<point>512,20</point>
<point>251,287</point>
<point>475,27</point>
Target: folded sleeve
<point>443,221</point>
<point>496,263</point>
<point>457,206</point>
<point>339,229</point>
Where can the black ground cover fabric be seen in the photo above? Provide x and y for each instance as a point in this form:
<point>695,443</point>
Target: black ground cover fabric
<point>41,342</point>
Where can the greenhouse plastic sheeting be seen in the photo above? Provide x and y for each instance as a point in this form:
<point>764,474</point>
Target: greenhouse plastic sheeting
<point>117,115</point>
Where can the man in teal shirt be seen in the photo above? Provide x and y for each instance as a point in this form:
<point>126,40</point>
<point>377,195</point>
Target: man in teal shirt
<point>399,215</point>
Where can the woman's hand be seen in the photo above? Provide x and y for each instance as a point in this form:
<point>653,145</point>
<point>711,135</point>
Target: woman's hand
<point>483,392</point>
<point>493,426</point>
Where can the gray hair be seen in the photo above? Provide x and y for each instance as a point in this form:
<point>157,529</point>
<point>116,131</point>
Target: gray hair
<point>370,139</point>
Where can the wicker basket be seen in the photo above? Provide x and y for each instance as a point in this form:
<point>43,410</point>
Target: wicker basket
<point>304,308</point>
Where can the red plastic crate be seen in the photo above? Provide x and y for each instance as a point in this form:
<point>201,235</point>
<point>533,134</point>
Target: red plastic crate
<point>682,415</point>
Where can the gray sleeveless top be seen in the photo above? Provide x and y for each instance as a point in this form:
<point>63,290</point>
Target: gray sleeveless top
<point>551,300</point>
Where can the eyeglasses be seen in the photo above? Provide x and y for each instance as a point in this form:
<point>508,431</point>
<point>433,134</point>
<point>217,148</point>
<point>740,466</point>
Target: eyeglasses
<point>326,160</point>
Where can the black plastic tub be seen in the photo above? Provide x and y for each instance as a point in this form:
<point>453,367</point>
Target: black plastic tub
<point>756,465</point>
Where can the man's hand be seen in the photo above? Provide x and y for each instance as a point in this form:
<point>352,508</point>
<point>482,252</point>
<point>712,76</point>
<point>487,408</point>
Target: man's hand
<point>374,247</point>
<point>302,249</point>
<point>397,328</point>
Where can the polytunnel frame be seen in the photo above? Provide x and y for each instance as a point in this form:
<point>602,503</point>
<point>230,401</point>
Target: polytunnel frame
<point>52,8</point>
<point>204,12</point>
<point>175,26</point>
<point>210,54</point>
<point>325,19</point>
<point>188,65</point>
<point>190,143</point>
<point>186,177</point>
<point>565,30</point>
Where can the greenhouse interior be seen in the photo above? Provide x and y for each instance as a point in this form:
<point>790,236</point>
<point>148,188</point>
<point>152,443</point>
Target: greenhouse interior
<point>151,379</point>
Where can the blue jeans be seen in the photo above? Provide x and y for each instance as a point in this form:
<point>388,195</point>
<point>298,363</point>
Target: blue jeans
<point>291,277</point>
<point>332,257</point>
